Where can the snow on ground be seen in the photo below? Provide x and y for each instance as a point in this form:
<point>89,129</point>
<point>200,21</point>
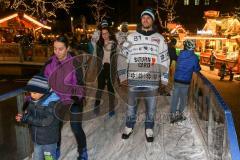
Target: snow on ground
<point>172,142</point>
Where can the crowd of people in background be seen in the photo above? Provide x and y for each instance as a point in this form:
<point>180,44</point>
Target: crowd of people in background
<point>140,61</point>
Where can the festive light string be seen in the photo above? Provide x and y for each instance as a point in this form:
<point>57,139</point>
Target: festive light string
<point>42,8</point>
<point>36,22</point>
<point>99,10</point>
<point>28,18</point>
<point>8,18</point>
<point>4,3</point>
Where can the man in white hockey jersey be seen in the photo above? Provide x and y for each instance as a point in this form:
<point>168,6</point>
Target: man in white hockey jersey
<point>143,64</point>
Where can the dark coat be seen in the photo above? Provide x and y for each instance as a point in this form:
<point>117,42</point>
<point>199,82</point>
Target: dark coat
<point>43,124</point>
<point>113,58</point>
<point>172,53</point>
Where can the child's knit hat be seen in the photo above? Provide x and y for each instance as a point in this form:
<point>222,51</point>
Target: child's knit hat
<point>38,84</point>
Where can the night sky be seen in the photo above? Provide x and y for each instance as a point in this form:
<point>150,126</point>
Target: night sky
<point>122,10</point>
<point>81,8</point>
<point>190,16</point>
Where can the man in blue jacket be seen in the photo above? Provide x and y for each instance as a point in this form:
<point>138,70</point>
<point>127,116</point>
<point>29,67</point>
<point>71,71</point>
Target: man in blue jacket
<point>187,63</point>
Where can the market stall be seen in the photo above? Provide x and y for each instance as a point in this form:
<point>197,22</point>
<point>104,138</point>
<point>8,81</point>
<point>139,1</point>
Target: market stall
<point>16,25</point>
<point>218,37</point>
<point>18,34</point>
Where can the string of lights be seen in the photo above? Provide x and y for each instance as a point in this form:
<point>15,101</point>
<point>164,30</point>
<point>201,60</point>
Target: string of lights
<point>4,4</point>
<point>42,8</point>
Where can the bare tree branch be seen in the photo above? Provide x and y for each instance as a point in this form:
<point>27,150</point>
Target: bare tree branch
<point>237,13</point>
<point>4,4</point>
<point>168,7</point>
<point>99,10</point>
<point>42,8</point>
<point>158,15</point>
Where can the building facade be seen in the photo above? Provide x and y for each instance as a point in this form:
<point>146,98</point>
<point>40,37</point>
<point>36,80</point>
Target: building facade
<point>188,12</point>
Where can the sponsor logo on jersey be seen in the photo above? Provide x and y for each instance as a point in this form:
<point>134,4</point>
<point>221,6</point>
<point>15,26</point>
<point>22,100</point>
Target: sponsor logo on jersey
<point>155,39</point>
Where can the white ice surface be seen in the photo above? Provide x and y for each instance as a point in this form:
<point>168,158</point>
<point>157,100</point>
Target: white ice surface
<point>172,142</point>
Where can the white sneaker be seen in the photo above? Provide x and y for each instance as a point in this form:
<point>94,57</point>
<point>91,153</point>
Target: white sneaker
<point>149,135</point>
<point>149,132</point>
<point>127,132</point>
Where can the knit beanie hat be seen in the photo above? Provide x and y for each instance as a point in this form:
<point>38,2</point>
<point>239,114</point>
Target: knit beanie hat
<point>124,24</point>
<point>38,84</point>
<point>104,23</point>
<point>173,41</point>
<point>148,12</point>
<point>189,44</point>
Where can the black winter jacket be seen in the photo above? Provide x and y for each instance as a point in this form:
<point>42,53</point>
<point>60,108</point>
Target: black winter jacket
<point>43,124</point>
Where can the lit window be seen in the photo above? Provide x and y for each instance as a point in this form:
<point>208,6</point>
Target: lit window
<point>197,2</point>
<point>186,2</point>
<point>206,2</point>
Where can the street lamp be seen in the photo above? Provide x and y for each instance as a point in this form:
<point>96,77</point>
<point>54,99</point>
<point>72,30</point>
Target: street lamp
<point>72,28</point>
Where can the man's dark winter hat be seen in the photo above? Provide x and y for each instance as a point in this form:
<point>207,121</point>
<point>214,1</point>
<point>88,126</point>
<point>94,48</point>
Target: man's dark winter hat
<point>189,44</point>
<point>104,23</point>
<point>148,12</point>
<point>173,41</point>
<point>38,84</point>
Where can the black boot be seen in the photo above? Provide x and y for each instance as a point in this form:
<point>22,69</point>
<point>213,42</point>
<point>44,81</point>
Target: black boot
<point>172,119</point>
<point>96,107</point>
<point>83,155</point>
<point>180,117</point>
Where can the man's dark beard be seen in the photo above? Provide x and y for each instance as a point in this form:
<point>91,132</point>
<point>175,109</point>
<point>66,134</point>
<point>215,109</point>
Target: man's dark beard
<point>146,28</point>
<point>124,30</point>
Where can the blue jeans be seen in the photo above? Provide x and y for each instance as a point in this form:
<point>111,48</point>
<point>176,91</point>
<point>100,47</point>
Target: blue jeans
<point>76,126</point>
<point>149,96</point>
<point>180,92</point>
<point>40,149</point>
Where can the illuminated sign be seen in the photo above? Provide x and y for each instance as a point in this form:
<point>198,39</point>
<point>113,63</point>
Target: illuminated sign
<point>211,13</point>
<point>208,38</point>
<point>203,32</point>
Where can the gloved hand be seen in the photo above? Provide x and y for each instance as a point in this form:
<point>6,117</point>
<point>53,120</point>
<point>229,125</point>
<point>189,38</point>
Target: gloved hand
<point>76,99</point>
<point>124,83</point>
<point>25,118</point>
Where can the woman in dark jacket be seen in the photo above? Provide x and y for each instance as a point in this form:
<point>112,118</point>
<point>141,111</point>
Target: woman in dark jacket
<point>63,76</point>
<point>106,65</point>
